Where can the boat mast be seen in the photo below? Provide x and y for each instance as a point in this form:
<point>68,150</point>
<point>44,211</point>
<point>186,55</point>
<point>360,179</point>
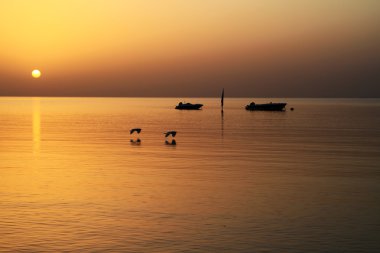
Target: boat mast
<point>222,100</point>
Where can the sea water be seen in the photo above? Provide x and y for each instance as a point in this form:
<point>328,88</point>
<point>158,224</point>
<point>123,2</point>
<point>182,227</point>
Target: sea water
<point>72,178</point>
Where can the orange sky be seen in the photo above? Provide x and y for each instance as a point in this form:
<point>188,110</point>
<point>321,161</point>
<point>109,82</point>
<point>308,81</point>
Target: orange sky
<point>270,48</point>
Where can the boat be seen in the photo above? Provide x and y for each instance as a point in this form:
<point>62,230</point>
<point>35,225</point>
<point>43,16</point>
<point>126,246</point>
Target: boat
<point>188,106</point>
<point>266,107</point>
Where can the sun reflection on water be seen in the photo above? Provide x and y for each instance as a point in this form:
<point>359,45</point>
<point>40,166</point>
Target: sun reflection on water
<point>36,126</point>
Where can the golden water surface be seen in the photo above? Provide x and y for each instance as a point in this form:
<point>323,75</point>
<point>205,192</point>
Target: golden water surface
<point>306,180</point>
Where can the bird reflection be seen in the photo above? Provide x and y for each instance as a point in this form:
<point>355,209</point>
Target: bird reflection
<point>172,142</point>
<point>136,142</point>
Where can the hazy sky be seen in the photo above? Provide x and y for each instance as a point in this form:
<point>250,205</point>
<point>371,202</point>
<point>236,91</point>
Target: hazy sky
<point>182,48</point>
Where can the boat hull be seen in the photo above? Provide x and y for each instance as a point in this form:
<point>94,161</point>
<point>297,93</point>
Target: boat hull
<point>266,107</point>
<point>189,107</point>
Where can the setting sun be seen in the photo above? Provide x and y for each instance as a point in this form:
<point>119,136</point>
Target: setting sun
<point>36,73</point>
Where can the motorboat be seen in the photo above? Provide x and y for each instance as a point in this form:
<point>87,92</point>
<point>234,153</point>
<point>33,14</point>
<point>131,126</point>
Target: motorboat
<point>188,106</point>
<point>266,107</point>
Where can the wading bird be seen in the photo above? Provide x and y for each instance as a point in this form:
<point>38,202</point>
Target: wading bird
<point>138,130</point>
<point>172,133</point>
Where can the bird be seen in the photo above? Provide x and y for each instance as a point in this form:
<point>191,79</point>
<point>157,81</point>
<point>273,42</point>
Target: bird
<point>138,130</point>
<point>172,133</point>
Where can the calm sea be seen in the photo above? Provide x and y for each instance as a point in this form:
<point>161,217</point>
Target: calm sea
<point>306,180</point>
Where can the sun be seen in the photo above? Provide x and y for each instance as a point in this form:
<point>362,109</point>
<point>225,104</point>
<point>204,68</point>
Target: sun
<point>36,73</point>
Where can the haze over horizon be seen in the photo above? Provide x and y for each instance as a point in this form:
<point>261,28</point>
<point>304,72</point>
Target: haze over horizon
<point>195,48</point>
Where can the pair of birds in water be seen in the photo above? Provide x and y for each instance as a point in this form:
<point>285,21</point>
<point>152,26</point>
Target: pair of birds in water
<point>167,134</point>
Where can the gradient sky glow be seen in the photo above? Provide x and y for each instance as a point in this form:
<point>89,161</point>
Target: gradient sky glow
<point>272,48</point>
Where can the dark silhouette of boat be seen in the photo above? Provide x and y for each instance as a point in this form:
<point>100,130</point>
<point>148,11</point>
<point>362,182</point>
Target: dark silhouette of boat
<point>188,106</point>
<point>266,107</point>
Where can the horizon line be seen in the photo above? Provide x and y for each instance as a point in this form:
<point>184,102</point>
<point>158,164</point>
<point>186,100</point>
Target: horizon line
<point>260,97</point>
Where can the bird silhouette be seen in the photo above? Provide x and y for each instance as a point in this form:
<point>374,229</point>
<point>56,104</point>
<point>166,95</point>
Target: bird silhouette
<point>138,130</point>
<point>172,133</point>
